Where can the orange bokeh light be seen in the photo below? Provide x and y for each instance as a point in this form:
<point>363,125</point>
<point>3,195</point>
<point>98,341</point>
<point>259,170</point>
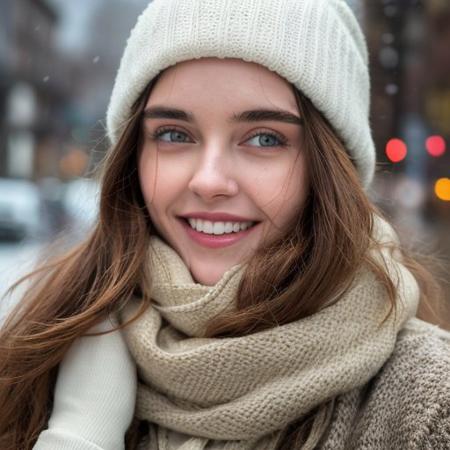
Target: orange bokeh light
<point>442,189</point>
<point>435,145</point>
<point>396,150</point>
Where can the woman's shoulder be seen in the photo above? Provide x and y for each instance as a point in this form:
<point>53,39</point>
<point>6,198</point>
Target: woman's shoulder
<point>410,395</point>
<point>419,366</point>
<point>421,350</point>
<point>407,404</point>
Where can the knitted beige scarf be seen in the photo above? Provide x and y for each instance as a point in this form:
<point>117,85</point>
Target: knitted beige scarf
<point>238,393</point>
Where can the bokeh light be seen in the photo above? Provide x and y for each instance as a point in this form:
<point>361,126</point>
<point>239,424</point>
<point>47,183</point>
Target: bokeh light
<point>396,150</point>
<point>435,145</point>
<point>442,189</point>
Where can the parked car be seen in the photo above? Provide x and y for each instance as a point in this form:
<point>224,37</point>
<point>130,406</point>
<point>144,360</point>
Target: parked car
<point>20,209</point>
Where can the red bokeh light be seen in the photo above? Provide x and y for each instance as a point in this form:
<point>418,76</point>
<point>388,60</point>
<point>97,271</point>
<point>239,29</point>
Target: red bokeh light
<point>396,150</point>
<point>435,145</point>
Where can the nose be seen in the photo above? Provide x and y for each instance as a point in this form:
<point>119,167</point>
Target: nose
<point>213,176</point>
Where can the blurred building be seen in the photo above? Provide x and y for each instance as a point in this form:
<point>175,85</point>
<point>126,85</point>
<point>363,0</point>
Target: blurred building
<point>35,85</point>
<point>98,60</point>
<point>53,96</point>
<point>409,44</point>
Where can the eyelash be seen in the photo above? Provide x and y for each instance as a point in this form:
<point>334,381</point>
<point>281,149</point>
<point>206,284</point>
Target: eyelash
<point>282,140</point>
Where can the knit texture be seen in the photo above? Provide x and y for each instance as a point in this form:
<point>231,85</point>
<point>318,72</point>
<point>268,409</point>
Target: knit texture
<point>406,405</point>
<point>239,393</point>
<point>317,45</point>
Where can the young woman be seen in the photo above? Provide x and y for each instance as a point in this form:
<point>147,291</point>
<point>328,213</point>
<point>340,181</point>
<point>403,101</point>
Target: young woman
<point>243,291</point>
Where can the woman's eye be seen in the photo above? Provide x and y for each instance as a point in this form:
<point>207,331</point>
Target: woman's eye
<point>267,140</point>
<point>171,136</point>
<point>257,140</point>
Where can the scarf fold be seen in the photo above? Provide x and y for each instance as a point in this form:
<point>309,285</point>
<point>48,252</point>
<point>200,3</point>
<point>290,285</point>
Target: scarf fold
<point>240,393</point>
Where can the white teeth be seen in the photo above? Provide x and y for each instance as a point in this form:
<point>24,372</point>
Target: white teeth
<point>207,227</point>
<point>228,227</point>
<point>217,228</point>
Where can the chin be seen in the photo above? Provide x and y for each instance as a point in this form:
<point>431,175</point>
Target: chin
<point>207,276</point>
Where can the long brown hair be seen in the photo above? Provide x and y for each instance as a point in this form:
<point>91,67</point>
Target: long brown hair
<point>316,259</point>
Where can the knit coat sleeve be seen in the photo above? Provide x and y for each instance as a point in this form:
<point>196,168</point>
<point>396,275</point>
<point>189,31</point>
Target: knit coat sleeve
<point>430,390</point>
<point>409,403</point>
<point>406,405</point>
<point>439,436</point>
<point>436,428</point>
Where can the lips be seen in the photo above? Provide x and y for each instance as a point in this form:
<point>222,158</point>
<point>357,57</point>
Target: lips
<point>217,228</point>
<point>214,240</point>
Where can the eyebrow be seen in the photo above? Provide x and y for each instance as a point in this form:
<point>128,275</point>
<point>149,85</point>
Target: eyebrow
<point>256,115</point>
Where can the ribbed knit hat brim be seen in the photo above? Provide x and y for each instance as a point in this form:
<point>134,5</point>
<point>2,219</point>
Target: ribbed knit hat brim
<point>317,45</point>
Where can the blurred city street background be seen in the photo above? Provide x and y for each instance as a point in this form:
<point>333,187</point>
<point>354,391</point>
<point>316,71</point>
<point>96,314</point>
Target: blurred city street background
<point>58,61</point>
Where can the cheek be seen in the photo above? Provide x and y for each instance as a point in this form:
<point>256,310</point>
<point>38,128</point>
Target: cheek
<point>279,188</point>
<point>162,182</point>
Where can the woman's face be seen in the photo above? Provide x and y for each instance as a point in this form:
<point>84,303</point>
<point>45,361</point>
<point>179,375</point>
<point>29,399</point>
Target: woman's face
<point>222,165</point>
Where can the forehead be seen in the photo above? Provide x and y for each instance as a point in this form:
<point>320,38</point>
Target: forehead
<point>224,83</point>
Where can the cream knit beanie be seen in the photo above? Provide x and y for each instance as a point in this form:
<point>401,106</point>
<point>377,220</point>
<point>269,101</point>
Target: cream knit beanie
<point>317,45</point>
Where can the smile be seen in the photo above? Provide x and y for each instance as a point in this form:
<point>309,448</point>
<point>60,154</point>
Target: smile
<point>218,228</point>
<point>216,234</point>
